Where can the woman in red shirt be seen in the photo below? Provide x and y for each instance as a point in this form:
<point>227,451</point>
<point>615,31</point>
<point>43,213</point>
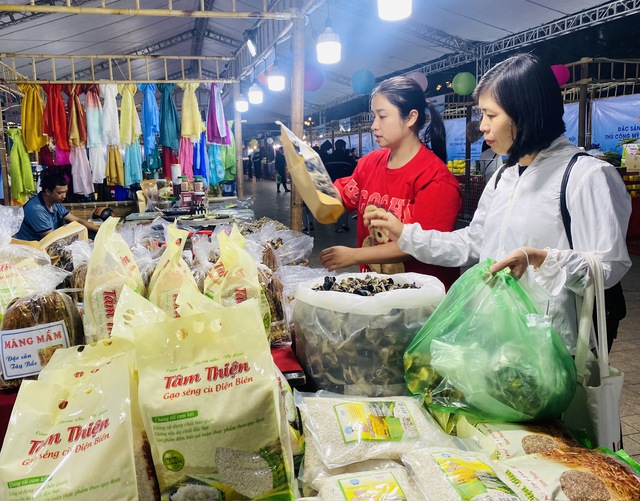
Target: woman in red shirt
<point>407,176</point>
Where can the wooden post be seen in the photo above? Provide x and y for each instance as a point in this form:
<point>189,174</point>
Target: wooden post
<point>5,164</point>
<point>297,110</point>
<point>237,127</point>
<point>582,106</point>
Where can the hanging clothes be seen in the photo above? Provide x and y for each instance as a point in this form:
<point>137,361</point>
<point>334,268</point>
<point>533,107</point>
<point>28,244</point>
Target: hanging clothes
<point>168,157</point>
<point>216,167</point>
<point>80,171</point>
<point>22,184</point>
<point>217,126</point>
<point>32,117</point>
<point>110,127</point>
<point>98,163</point>
<point>132,165</point>
<point>45,156</point>
<point>130,128</point>
<point>115,168</point>
<point>55,116</point>
<point>191,125</point>
<point>200,159</point>
<point>185,157</point>
<point>77,119</point>
<point>95,137</point>
<point>62,156</point>
<point>229,157</point>
<point>150,117</point>
<point>169,119</point>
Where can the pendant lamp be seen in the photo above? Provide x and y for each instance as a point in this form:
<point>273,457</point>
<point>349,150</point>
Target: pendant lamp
<point>328,48</point>
<point>242,105</point>
<point>276,80</point>
<point>394,10</point>
<point>255,93</point>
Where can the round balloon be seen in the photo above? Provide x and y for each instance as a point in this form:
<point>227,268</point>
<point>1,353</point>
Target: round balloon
<point>562,73</point>
<point>421,78</point>
<point>313,78</point>
<point>253,143</point>
<point>464,83</point>
<point>363,82</point>
<point>269,140</point>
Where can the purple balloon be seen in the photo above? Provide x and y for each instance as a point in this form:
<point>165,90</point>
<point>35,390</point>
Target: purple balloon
<point>313,78</point>
<point>562,73</point>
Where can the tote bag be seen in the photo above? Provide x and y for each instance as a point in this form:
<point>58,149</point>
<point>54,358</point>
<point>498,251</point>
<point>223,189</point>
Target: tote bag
<point>595,409</point>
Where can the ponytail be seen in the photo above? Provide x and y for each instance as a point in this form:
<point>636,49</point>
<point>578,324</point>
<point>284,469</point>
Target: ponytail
<point>435,134</point>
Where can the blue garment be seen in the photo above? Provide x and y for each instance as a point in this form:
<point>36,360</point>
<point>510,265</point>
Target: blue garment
<point>150,117</point>
<point>38,219</point>
<point>200,159</point>
<point>216,167</point>
<point>169,118</point>
<point>132,165</point>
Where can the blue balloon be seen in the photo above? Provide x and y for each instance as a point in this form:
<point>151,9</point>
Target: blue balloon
<point>363,82</point>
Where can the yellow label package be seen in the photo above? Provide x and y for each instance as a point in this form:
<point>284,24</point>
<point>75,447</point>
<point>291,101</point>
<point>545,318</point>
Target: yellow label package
<point>209,399</point>
<point>383,485</point>
<point>71,443</point>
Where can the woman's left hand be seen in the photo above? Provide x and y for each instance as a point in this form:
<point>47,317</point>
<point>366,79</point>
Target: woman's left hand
<point>337,257</point>
<point>519,260</point>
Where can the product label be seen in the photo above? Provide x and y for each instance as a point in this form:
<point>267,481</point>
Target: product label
<point>26,351</point>
<point>380,421</point>
<point>371,487</point>
<point>472,479</point>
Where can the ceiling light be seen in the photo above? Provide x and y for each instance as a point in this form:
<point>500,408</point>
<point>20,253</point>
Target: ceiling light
<point>250,37</point>
<point>394,10</point>
<point>242,105</point>
<point>276,80</point>
<point>328,48</point>
<point>255,93</point>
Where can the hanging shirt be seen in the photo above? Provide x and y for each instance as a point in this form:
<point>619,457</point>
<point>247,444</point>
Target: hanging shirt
<point>77,119</point>
<point>22,184</point>
<point>217,127</point>
<point>150,117</point>
<point>98,163</point>
<point>62,156</point>
<point>216,167</point>
<point>169,119</point>
<point>80,171</point>
<point>130,128</point>
<point>32,117</point>
<point>200,159</point>
<point>191,125</point>
<point>185,157</point>
<point>110,127</point>
<point>115,168</point>
<point>95,137</point>
<point>132,165</point>
<point>55,116</point>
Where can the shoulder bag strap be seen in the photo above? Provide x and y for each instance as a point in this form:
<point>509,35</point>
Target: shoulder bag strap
<point>566,217</point>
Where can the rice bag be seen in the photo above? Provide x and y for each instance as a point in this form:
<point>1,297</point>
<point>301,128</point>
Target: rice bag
<point>347,430</point>
<point>210,403</point>
<point>383,485</point>
<point>111,266</point>
<point>311,179</point>
<point>575,474</point>
<point>71,441</point>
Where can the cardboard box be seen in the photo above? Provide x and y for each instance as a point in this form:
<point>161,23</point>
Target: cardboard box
<point>631,157</point>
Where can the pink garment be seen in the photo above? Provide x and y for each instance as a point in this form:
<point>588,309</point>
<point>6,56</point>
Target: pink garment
<point>80,171</point>
<point>185,157</point>
<point>62,156</point>
<point>217,126</point>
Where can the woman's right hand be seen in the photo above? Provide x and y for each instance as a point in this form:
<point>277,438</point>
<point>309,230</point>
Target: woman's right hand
<point>387,222</point>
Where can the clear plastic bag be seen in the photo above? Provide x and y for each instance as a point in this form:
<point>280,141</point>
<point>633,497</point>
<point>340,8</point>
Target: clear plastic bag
<point>488,352</point>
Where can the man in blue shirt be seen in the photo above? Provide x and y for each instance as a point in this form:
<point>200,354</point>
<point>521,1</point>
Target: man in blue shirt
<point>45,213</point>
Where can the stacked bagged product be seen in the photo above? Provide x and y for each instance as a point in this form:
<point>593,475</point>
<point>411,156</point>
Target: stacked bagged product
<point>352,330</point>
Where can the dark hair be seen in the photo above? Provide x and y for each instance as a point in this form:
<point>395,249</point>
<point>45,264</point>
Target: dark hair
<point>527,90</point>
<point>406,94</point>
<point>340,144</point>
<point>50,181</point>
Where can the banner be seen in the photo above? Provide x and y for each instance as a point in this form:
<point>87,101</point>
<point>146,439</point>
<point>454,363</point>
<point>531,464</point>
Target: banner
<point>613,120</point>
<point>456,140</point>
<point>571,122</point>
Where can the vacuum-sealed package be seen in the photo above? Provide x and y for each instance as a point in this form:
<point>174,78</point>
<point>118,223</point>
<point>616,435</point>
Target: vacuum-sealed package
<point>311,179</point>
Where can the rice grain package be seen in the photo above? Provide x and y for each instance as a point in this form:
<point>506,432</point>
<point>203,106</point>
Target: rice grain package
<point>111,266</point>
<point>311,179</point>
<point>71,442</point>
<point>571,475</point>
<point>384,485</point>
<point>209,399</point>
<point>488,352</point>
<point>171,273</point>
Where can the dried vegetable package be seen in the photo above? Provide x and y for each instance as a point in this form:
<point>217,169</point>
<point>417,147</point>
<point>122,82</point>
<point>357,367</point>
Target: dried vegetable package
<point>311,179</point>
<point>488,352</point>
<point>171,273</point>
<point>383,485</point>
<point>456,475</point>
<point>571,475</point>
<point>353,343</point>
<point>111,266</point>
<point>346,430</point>
<point>71,442</point>
<point>210,402</point>
<point>35,326</point>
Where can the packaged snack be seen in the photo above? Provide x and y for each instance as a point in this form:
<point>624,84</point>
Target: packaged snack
<point>393,484</point>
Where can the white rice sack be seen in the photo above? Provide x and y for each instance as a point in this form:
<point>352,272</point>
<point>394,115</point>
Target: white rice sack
<point>456,475</point>
<point>384,485</point>
<point>348,430</point>
<point>313,470</point>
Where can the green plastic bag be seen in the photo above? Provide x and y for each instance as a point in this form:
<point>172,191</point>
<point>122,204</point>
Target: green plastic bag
<point>488,352</point>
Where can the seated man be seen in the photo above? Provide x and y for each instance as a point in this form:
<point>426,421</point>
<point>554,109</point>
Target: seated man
<point>45,213</point>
